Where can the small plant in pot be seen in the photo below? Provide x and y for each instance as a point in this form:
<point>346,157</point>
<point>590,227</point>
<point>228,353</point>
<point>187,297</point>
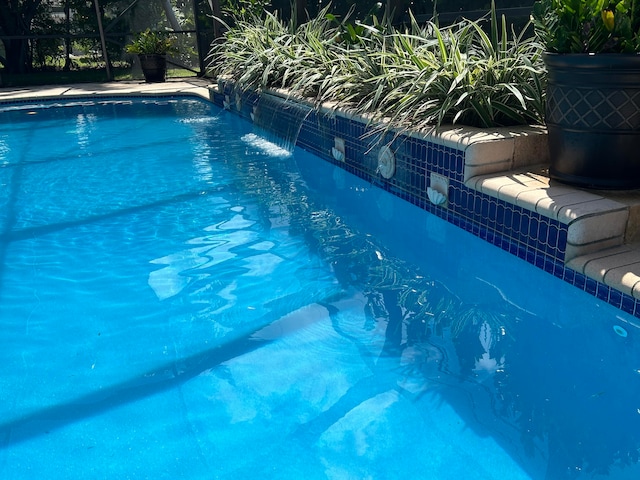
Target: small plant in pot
<point>152,49</point>
<point>593,90</point>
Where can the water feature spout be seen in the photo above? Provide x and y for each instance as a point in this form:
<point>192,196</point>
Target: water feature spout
<point>436,197</point>
<point>386,163</point>
<point>279,119</point>
<point>438,190</point>
<point>338,149</point>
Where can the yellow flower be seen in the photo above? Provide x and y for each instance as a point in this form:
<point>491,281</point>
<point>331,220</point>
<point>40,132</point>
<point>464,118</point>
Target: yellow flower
<point>608,19</point>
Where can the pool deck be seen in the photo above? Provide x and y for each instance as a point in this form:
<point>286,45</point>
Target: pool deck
<point>604,227</point>
<point>185,86</point>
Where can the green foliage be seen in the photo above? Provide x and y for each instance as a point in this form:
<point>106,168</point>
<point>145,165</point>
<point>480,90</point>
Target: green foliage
<point>588,26</point>
<point>46,49</point>
<point>354,32</point>
<point>84,21</point>
<point>150,42</point>
<point>421,77</point>
<point>245,8</point>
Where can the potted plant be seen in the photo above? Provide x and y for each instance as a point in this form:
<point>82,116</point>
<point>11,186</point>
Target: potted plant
<point>152,49</point>
<point>593,90</point>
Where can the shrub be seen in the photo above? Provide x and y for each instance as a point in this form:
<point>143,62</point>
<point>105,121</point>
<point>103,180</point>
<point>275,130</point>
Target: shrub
<point>150,43</point>
<point>421,77</point>
<point>588,26</point>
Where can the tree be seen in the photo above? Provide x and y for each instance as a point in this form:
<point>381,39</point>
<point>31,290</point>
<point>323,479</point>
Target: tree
<point>16,17</point>
<point>45,49</point>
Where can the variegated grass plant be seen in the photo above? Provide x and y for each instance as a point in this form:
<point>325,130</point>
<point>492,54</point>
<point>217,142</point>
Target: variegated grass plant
<point>419,78</point>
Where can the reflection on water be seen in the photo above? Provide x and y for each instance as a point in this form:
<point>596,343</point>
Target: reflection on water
<point>203,253</point>
<point>562,395</point>
<point>85,124</point>
<point>549,380</point>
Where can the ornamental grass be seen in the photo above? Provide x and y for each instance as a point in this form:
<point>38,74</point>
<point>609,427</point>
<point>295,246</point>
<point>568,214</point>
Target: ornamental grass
<point>475,73</point>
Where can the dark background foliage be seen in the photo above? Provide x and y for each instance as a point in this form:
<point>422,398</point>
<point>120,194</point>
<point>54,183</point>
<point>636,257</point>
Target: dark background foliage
<point>63,35</point>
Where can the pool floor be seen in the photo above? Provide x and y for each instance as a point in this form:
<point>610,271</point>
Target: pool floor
<point>194,302</point>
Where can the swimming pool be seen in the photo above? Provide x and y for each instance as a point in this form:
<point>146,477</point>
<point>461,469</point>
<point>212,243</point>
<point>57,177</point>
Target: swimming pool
<point>181,298</point>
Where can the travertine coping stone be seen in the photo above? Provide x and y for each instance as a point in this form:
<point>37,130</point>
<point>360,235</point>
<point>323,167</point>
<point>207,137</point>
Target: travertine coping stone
<point>593,221</point>
<point>493,150</point>
<point>632,199</point>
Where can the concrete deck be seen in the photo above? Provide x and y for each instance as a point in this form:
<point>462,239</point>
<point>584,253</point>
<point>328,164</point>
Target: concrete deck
<point>604,227</point>
<point>186,86</point>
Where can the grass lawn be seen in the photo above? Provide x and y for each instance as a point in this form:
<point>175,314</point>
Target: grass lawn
<point>79,76</point>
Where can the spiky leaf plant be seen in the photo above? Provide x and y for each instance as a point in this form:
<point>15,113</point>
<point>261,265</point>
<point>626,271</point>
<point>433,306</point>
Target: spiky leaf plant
<point>419,78</point>
<point>459,74</point>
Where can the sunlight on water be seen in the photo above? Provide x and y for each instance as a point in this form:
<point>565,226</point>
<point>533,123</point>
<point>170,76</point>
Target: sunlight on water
<point>180,268</point>
<point>209,120</point>
<point>4,150</point>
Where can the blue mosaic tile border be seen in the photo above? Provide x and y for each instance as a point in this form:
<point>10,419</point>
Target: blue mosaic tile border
<point>415,159</point>
<point>539,240</point>
<point>120,97</point>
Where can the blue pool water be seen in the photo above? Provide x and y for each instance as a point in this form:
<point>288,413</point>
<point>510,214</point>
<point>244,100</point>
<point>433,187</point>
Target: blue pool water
<point>180,298</point>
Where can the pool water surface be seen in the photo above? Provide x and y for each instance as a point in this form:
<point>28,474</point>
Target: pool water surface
<point>182,298</point>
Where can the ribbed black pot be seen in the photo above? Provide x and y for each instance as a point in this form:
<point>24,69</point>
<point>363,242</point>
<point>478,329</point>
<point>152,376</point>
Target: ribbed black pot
<point>593,119</point>
<point>154,67</point>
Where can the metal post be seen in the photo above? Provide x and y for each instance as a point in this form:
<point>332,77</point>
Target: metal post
<point>103,41</point>
<point>217,13</point>
<point>201,54</point>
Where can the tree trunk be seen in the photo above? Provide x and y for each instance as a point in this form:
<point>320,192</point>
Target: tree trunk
<point>171,15</point>
<point>15,21</point>
<point>217,15</point>
<point>67,40</point>
<point>17,56</point>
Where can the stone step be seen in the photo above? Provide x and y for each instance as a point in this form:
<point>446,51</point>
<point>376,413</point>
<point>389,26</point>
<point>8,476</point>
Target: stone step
<point>595,220</point>
<point>603,227</point>
<point>617,267</point>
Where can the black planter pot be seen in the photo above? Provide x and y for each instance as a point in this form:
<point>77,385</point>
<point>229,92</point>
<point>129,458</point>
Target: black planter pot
<point>154,67</point>
<point>593,119</point>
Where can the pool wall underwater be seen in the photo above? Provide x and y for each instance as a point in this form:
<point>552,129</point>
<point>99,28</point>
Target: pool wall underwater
<point>535,238</point>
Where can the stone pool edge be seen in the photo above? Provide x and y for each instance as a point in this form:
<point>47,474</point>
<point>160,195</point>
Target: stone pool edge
<point>182,87</point>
